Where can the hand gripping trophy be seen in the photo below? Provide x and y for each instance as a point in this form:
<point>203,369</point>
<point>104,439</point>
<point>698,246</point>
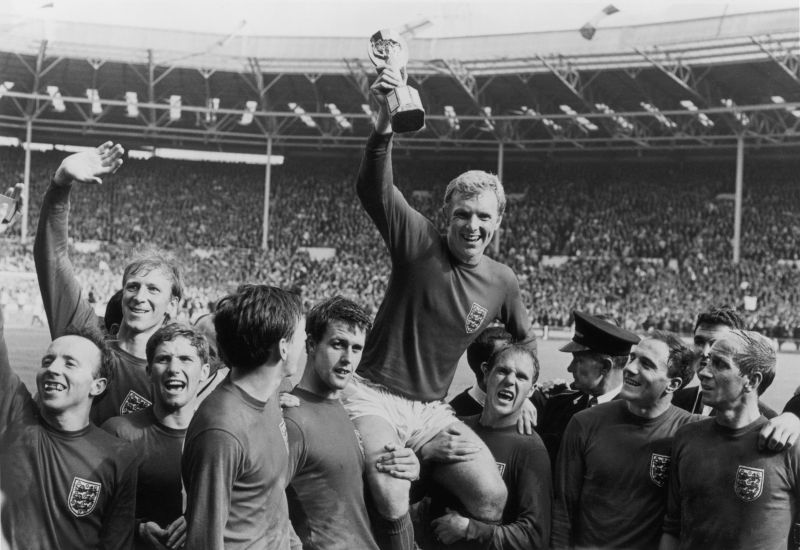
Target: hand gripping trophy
<point>388,48</point>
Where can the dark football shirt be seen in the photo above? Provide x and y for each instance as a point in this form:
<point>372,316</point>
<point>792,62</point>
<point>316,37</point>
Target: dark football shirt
<point>434,306</point>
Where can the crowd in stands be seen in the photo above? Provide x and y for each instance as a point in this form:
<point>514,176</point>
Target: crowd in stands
<point>648,243</point>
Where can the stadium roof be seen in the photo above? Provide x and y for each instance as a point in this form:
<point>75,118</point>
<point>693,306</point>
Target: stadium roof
<point>680,85</point>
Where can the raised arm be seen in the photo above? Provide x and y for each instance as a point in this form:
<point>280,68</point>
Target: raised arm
<point>15,399</point>
<point>61,292</point>
<point>403,229</point>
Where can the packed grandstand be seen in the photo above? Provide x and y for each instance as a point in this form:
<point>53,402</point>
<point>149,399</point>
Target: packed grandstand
<point>649,243</point>
<point>634,218</point>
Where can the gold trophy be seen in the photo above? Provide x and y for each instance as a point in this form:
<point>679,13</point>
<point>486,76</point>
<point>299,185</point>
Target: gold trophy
<point>388,49</point>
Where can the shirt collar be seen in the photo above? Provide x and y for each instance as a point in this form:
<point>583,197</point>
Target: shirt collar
<point>478,395</point>
<point>608,396</point>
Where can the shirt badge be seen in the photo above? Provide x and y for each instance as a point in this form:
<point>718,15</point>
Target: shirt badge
<point>659,469</point>
<point>133,402</point>
<point>749,483</point>
<point>83,497</point>
<point>475,317</point>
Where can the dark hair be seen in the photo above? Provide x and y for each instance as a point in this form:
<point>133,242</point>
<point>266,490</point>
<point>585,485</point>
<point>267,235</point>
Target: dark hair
<point>252,320</point>
<point>333,309</point>
<point>107,358</point>
<point>720,316</point>
<point>113,316</point>
<point>681,358</point>
<point>156,261</point>
<point>518,349</point>
<point>171,332</point>
<point>757,354</point>
<point>479,351</point>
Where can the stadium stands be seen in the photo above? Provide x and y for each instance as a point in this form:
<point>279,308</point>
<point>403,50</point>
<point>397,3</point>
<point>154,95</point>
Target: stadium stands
<point>649,243</point>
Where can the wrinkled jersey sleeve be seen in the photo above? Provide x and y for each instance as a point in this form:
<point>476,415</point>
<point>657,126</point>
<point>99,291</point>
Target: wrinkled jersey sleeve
<point>404,230</point>
<point>62,295</point>
<point>570,470</point>
<point>209,467</point>
<point>16,403</point>
<point>119,522</point>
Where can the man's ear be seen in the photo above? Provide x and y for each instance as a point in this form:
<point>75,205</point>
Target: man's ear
<point>485,370</point>
<point>753,382</point>
<point>311,345</point>
<point>673,385</point>
<point>608,364</point>
<point>283,349</point>
<point>98,386</point>
<point>205,371</point>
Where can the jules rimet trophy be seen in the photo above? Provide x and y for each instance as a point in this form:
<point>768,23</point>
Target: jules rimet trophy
<point>388,49</point>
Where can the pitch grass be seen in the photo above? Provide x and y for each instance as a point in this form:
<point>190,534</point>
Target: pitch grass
<point>26,347</point>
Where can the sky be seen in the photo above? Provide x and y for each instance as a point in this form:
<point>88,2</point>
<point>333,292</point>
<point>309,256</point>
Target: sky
<point>351,18</point>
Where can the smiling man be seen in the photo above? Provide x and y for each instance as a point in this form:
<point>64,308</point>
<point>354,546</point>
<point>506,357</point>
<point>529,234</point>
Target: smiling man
<point>724,493</point>
<point>443,291</point>
<point>522,461</point>
<point>152,285</point>
<point>178,365</point>
<point>613,462</point>
<point>67,483</point>
<point>326,460</point>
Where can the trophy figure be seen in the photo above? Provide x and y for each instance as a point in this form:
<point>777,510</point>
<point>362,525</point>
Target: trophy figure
<point>388,49</point>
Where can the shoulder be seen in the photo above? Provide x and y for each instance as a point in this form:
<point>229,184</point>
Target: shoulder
<point>499,270</point>
<point>128,426</point>
<point>118,450</point>
<point>692,430</point>
<point>573,400</point>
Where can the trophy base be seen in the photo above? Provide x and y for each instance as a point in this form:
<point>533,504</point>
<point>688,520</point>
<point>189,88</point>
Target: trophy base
<point>406,110</point>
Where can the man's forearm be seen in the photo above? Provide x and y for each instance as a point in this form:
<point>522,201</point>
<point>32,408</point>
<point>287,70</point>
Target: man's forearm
<point>60,289</point>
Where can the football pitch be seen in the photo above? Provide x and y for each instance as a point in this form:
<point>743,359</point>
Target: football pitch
<point>27,345</point>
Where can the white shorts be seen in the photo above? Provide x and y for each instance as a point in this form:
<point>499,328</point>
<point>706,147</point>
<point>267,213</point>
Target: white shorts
<point>415,422</point>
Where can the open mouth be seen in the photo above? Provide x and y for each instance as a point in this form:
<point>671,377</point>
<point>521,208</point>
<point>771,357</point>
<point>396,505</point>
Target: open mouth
<point>505,395</point>
<point>632,382</point>
<point>175,385</point>
<point>138,310</point>
<point>472,238</point>
<point>51,386</point>
<point>341,371</point>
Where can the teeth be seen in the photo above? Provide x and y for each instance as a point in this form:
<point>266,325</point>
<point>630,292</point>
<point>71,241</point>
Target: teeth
<point>505,395</point>
<point>54,386</point>
<point>173,384</point>
<point>631,382</point>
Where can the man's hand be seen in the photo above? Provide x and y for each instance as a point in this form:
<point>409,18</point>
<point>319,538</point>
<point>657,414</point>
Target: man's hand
<point>452,444</point>
<point>527,420</point>
<point>287,400</point>
<point>779,433</point>
<point>176,533</point>
<point>388,79</point>
<point>399,462</point>
<point>9,211</point>
<point>88,166</point>
<point>151,533</point>
<point>450,528</point>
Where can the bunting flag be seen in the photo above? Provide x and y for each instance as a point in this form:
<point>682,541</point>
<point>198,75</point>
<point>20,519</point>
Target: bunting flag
<point>587,31</point>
